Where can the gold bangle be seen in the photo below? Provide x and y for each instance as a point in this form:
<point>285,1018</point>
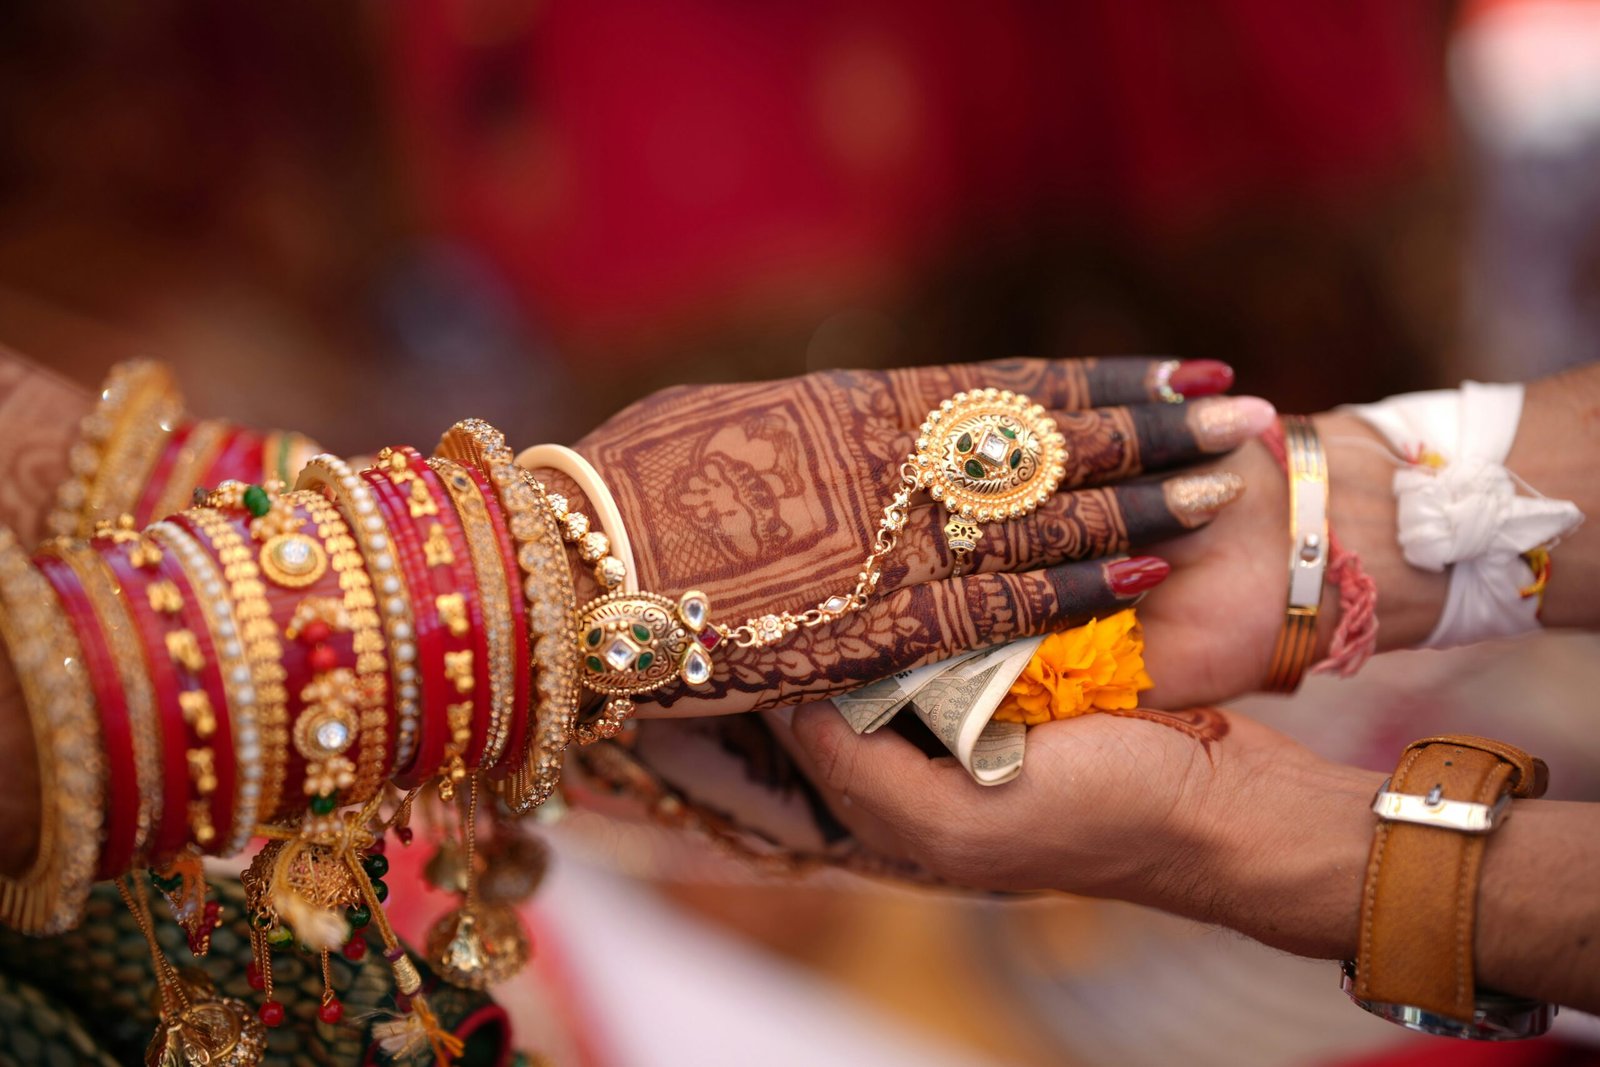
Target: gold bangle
<point>119,442</point>
<point>238,680</point>
<point>494,596</point>
<point>50,897</point>
<point>122,634</point>
<point>199,452</point>
<point>552,606</point>
<point>262,650</point>
<point>372,666</point>
<point>610,551</point>
<point>1308,554</point>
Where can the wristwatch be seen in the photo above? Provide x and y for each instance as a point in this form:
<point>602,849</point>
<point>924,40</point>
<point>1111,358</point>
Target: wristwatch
<point>1419,904</point>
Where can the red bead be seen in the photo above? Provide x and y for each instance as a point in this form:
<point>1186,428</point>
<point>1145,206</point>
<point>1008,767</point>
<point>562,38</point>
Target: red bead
<point>405,834</point>
<point>272,1013</point>
<point>253,975</point>
<point>379,846</point>
<point>355,950</point>
<point>315,632</point>
<point>331,1012</point>
<point>323,659</point>
<point>402,1003</point>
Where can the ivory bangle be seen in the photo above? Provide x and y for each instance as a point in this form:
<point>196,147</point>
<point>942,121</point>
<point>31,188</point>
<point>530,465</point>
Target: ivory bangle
<point>564,460</point>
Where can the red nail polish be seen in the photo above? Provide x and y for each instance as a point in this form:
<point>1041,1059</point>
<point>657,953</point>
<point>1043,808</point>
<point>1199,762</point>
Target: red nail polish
<point>1201,377</point>
<point>1130,577</point>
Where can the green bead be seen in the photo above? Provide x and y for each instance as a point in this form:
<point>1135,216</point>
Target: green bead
<point>594,664</point>
<point>375,865</point>
<point>324,804</point>
<point>1016,459</point>
<point>964,443</point>
<point>166,885</point>
<point>645,659</point>
<point>1008,432</point>
<point>359,915</point>
<point>279,936</point>
<point>641,632</point>
<point>594,636</point>
<point>380,889</point>
<point>974,469</point>
<point>257,501</point>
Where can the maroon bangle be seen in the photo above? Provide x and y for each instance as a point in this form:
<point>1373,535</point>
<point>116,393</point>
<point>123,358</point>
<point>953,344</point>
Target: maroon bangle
<point>156,487</point>
<point>239,460</point>
<point>458,576</point>
<point>433,728</point>
<point>171,834</point>
<point>297,665</point>
<point>116,729</point>
<point>520,641</point>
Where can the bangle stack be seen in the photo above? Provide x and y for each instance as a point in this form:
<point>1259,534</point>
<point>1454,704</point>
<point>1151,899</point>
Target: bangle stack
<point>262,663</point>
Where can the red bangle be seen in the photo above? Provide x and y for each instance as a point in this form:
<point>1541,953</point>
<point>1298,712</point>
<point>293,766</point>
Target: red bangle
<point>238,460</point>
<point>172,831</point>
<point>160,474</point>
<point>432,727</point>
<point>456,577</point>
<point>122,786</point>
<point>208,679</point>
<point>509,755</point>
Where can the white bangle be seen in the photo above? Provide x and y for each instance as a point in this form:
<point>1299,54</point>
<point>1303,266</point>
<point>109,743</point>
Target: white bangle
<point>564,460</point>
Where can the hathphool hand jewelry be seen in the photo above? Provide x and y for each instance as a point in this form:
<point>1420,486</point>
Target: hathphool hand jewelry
<point>988,455</point>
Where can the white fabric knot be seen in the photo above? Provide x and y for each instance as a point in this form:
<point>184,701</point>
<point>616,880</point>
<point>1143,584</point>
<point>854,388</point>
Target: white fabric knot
<point>1461,511</point>
<point>1466,513</point>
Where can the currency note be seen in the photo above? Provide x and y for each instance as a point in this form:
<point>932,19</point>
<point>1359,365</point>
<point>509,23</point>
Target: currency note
<point>956,698</point>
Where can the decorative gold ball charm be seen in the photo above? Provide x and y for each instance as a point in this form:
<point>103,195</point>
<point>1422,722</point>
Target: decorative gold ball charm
<point>990,455</point>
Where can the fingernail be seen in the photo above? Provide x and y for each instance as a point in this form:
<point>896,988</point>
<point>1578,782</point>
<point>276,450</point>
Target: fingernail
<point>1130,577</point>
<point>1223,423</point>
<point>1195,499</point>
<point>1201,377</point>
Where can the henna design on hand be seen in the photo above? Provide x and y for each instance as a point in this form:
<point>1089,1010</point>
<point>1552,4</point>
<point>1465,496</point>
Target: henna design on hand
<point>1205,725</point>
<point>39,416</point>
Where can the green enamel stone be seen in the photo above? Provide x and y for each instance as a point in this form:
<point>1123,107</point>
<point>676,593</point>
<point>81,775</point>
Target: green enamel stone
<point>594,664</point>
<point>324,803</point>
<point>974,469</point>
<point>641,633</point>
<point>380,890</point>
<point>257,501</point>
<point>645,659</point>
<point>964,443</point>
<point>1008,432</point>
<point>594,636</point>
<point>359,915</point>
<point>1016,459</point>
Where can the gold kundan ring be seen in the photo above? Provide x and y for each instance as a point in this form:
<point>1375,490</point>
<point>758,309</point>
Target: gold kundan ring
<point>988,455</point>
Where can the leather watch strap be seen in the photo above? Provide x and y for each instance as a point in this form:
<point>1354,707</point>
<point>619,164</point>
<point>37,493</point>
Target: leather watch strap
<point>1419,905</point>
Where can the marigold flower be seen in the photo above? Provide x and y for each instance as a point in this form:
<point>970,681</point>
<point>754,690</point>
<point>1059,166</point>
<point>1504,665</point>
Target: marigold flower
<point>1098,666</point>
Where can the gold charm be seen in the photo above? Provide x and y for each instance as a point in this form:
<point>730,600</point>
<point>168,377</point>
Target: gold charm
<point>989,455</point>
<point>478,945</point>
<point>962,537</point>
<point>216,1032</point>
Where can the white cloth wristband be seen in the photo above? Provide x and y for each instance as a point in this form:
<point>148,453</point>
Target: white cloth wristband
<point>1459,506</point>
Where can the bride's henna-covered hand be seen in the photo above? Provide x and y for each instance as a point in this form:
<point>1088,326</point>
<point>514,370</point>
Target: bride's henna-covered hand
<point>767,495</point>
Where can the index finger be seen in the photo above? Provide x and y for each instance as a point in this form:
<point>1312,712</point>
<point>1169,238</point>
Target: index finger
<point>1071,384</point>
